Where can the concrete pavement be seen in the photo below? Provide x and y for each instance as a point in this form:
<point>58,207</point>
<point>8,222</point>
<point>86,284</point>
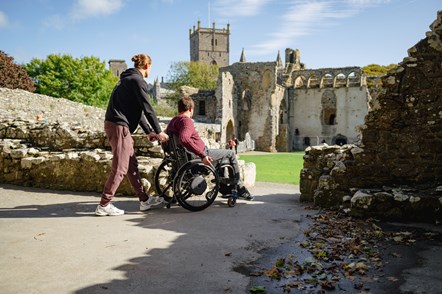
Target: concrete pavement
<point>51,242</point>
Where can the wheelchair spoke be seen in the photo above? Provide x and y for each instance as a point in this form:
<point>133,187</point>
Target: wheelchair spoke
<point>197,186</point>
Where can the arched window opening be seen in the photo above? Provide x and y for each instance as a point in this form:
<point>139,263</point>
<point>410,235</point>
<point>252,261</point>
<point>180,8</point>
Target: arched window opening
<point>313,82</point>
<point>354,79</point>
<point>327,81</point>
<point>300,82</point>
<point>340,81</point>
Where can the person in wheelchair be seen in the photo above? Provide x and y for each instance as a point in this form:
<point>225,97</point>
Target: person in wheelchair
<point>182,126</point>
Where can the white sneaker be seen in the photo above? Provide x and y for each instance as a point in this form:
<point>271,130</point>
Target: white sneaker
<point>151,201</point>
<point>109,209</point>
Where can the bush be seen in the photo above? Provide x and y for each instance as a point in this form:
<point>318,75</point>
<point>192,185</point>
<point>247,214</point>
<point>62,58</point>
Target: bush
<point>14,76</point>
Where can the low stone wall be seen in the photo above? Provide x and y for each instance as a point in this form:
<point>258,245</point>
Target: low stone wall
<point>70,169</point>
<point>59,136</point>
<point>336,177</point>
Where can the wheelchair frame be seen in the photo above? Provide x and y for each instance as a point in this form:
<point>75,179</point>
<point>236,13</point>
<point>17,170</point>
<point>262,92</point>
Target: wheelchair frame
<point>194,185</point>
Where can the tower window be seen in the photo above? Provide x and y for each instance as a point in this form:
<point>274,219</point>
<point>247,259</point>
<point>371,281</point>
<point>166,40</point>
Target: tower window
<point>202,108</point>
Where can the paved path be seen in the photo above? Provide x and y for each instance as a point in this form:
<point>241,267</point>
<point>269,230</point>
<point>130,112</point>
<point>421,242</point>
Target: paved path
<point>51,242</point>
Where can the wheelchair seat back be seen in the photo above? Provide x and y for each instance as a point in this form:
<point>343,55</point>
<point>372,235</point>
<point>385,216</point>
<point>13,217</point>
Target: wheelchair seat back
<point>175,151</point>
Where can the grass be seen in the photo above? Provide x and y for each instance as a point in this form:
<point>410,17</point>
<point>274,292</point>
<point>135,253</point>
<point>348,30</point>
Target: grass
<point>277,167</point>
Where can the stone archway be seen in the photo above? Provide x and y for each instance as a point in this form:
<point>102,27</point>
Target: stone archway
<point>230,130</point>
<point>282,136</point>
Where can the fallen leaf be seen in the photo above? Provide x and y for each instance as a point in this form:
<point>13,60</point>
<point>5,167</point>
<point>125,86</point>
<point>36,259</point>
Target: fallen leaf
<point>258,289</point>
<point>327,285</point>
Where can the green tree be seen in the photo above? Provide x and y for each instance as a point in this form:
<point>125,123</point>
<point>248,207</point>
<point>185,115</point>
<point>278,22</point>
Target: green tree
<point>14,76</point>
<point>85,80</point>
<point>194,74</point>
<point>376,69</point>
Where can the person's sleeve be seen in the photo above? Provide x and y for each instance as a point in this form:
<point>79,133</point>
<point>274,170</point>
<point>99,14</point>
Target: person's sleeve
<point>148,110</point>
<point>145,126</point>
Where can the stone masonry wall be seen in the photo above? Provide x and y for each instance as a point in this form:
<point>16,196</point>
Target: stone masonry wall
<point>57,144</point>
<point>396,171</point>
<point>250,94</point>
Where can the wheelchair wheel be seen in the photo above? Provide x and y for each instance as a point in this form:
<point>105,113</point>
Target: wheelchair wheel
<point>231,202</point>
<point>195,186</point>
<point>164,179</point>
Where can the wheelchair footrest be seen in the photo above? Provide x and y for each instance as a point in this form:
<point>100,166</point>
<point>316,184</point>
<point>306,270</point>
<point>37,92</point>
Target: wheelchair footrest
<point>226,181</point>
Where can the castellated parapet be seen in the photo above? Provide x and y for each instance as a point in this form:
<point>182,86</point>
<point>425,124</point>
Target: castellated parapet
<point>210,45</point>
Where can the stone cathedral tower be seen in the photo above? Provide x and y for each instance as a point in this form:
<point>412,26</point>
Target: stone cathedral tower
<point>210,45</point>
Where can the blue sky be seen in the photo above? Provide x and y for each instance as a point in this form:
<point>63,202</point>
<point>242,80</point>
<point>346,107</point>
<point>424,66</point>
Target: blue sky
<point>329,33</point>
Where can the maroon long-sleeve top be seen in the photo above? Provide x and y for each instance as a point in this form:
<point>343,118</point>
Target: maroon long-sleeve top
<point>183,127</point>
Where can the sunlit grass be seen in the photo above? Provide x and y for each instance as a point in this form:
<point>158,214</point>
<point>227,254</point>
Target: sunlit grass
<point>277,167</point>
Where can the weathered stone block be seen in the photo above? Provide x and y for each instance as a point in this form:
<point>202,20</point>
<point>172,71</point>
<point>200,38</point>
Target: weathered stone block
<point>361,200</point>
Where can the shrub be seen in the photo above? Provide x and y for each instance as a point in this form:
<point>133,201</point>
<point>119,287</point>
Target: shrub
<point>14,76</point>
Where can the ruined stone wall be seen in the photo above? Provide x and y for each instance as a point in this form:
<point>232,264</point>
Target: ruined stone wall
<point>65,148</point>
<point>351,106</point>
<point>205,104</point>
<point>251,100</point>
<point>325,105</point>
<point>396,171</point>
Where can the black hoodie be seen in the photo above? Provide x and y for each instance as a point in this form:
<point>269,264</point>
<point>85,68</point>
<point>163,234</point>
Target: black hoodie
<point>129,101</point>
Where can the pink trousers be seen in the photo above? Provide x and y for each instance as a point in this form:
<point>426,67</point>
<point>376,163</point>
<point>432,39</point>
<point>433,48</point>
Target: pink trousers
<point>124,163</point>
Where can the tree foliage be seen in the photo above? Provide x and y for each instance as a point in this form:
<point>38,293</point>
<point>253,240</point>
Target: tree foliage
<point>85,80</point>
<point>14,76</point>
<point>376,69</point>
<point>194,74</point>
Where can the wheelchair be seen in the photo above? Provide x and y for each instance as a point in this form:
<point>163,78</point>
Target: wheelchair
<point>181,178</point>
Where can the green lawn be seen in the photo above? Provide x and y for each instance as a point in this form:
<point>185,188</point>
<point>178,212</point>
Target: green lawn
<point>277,167</point>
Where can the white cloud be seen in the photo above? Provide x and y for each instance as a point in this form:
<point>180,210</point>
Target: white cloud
<point>304,17</point>
<point>235,8</point>
<point>366,2</point>
<point>3,20</point>
<point>55,22</point>
<point>92,8</point>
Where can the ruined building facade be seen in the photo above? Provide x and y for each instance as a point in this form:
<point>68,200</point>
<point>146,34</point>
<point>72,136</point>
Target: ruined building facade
<point>285,107</point>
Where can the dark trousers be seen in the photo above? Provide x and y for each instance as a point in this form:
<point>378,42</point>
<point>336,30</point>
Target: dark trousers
<point>124,163</point>
<point>219,154</point>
